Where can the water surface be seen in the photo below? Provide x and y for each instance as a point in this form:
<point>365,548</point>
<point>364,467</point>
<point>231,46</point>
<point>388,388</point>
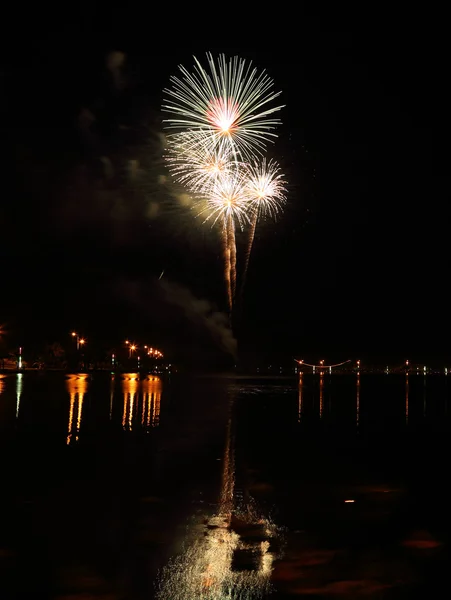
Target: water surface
<point>198,487</point>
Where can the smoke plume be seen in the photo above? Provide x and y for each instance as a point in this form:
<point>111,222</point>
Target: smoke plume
<point>203,313</point>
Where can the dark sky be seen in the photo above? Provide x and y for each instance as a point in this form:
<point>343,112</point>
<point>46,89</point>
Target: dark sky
<point>358,263</point>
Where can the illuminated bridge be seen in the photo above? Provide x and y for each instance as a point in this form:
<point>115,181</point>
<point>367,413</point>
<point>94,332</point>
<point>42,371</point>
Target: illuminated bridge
<point>322,367</point>
<point>406,367</point>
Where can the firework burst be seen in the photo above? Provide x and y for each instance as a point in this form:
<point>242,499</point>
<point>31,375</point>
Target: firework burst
<point>265,188</point>
<point>195,163</point>
<point>230,102</point>
<point>266,193</point>
<point>220,120</point>
<point>226,196</point>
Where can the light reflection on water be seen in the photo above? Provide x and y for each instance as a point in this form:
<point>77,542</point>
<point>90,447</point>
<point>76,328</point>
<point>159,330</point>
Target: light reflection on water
<point>151,387</point>
<point>220,557</point>
<point>211,565</point>
<point>424,395</point>
<point>2,382</point>
<point>19,384</point>
<point>407,398</point>
<point>112,386</point>
<point>134,399</point>
<point>140,395</point>
<point>77,386</point>
<point>141,400</point>
<point>312,389</point>
<point>321,393</point>
<point>130,385</point>
<point>301,384</point>
<point>357,403</point>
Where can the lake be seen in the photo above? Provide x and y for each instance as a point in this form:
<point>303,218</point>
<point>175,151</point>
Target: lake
<point>312,486</point>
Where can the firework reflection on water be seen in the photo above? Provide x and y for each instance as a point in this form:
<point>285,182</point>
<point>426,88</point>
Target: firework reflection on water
<point>208,567</point>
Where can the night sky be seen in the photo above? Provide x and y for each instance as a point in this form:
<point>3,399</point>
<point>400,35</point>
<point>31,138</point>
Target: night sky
<point>356,266</point>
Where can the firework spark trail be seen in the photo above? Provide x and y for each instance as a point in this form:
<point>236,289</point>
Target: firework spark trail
<point>253,227</point>
<point>227,199</point>
<point>232,247</point>
<point>227,264</point>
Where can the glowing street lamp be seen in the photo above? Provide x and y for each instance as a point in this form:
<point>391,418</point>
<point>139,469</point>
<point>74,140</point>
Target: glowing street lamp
<point>131,347</point>
<point>77,339</point>
<point>80,341</point>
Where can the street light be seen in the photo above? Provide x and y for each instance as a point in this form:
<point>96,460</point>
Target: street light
<point>80,341</point>
<point>77,339</point>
